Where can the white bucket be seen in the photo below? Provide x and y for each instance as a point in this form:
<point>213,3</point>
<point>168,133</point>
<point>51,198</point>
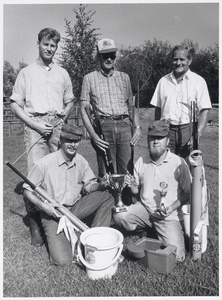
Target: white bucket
<point>103,247</point>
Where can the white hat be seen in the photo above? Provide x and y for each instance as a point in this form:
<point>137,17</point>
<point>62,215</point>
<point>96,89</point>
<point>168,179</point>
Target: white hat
<point>106,46</point>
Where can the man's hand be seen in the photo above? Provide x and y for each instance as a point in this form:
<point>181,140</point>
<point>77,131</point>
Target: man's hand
<point>129,181</point>
<point>50,209</point>
<point>165,211</point>
<point>135,137</point>
<point>44,128</point>
<point>103,145</point>
<point>104,181</point>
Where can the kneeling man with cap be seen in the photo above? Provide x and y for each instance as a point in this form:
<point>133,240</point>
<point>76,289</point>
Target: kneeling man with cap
<point>68,178</point>
<point>162,180</point>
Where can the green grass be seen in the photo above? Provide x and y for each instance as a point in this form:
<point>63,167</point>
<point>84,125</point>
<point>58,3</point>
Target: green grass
<point>28,272</point>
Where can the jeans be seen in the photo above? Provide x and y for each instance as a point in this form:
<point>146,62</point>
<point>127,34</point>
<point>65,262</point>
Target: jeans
<point>36,147</point>
<point>168,231</point>
<point>179,137</point>
<point>100,202</point>
<point>118,134</point>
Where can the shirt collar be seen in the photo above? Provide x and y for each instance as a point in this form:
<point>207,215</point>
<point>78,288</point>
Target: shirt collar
<point>186,75</point>
<point>166,159</point>
<point>49,67</point>
<point>61,159</point>
<point>107,75</point>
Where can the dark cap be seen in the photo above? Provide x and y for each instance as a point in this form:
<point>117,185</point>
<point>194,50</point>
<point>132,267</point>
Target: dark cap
<point>71,132</point>
<point>158,128</point>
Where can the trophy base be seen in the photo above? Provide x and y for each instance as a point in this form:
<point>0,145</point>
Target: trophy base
<point>120,208</point>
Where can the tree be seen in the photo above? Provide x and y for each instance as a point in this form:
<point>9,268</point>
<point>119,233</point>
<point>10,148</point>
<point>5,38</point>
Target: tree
<point>9,76</point>
<point>206,64</point>
<point>21,66</point>
<point>79,48</point>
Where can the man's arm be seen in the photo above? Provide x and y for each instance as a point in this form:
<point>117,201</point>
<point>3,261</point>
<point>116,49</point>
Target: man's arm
<point>202,121</point>
<point>43,127</point>
<point>68,109</point>
<point>96,139</point>
<point>48,208</point>
<point>136,127</point>
<point>178,204</point>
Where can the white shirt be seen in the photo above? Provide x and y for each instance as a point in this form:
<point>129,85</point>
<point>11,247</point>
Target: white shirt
<point>173,170</point>
<point>174,98</point>
<point>41,91</point>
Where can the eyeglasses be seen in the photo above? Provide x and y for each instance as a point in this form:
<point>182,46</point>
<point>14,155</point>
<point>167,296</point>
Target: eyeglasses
<point>108,55</point>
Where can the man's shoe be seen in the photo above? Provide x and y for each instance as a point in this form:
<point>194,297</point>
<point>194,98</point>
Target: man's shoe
<point>36,238</point>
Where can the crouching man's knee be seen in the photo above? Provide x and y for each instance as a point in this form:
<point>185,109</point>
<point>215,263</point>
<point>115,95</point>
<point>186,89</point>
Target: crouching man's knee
<point>61,260</point>
<point>123,219</point>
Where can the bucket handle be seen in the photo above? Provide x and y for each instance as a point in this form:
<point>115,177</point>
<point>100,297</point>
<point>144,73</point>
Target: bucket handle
<point>101,267</point>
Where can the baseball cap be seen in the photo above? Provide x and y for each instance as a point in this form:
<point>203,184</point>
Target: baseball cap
<point>158,128</point>
<point>106,46</point>
<point>71,132</point>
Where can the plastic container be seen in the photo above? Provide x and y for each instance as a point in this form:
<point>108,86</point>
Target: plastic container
<point>154,255</point>
<point>102,249</point>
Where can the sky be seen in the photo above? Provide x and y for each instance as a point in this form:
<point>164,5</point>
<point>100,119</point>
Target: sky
<point>129,24</point>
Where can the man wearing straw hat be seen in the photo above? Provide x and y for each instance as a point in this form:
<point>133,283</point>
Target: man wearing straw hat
<point>68,178</point>
<point>160,173</point>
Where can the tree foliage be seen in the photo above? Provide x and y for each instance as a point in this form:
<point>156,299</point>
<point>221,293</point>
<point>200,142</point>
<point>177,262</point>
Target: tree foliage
<point>9,77</point>
<point>79,48</point>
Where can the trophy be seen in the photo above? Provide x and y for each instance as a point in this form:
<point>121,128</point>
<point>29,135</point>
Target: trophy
<point>163,192</point>
<point>116,183</point>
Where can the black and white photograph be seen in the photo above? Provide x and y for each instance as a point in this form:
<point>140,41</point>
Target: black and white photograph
<point>110,149</point>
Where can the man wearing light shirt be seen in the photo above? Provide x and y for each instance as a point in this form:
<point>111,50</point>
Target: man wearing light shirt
<point>172,99</point>
<point>68,178</point>
<point>157,173</point>
<point>41,98</point>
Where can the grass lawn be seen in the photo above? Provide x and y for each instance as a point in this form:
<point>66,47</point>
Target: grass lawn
<point>28,272</point>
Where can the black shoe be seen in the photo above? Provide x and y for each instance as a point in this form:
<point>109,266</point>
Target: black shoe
<point>36,237</point>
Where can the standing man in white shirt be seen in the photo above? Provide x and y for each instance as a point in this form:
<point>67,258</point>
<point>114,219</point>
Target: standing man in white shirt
<point>172,99</point>
<point>41,98</point>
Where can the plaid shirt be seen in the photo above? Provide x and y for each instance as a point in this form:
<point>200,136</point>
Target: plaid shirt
<point>111,95</point>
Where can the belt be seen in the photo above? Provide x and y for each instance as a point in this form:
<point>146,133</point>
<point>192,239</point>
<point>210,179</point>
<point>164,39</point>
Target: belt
<point>49,115</point>
<point>179,126</point>
<point>120,117</point>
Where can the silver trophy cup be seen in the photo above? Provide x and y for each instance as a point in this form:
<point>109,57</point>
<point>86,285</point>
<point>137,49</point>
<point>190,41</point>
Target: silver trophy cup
<point>116,182</point>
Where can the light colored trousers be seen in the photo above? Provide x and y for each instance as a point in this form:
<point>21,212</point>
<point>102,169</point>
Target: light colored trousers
<point>168,231</point>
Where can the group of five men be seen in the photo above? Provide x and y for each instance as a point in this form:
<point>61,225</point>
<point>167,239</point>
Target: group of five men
<point>42,98</point>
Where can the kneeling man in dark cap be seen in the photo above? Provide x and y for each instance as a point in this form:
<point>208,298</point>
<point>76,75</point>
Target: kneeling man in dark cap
<point>162,181</point>
<point>68,178</point>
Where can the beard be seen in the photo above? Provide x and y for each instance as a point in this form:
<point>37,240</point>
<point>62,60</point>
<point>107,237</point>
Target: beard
<point>156,152</point>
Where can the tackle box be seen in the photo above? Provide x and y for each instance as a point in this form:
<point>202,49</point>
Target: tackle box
<point>154,255</point>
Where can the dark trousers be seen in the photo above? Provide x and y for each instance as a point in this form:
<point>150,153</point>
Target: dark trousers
<point>179,137</point>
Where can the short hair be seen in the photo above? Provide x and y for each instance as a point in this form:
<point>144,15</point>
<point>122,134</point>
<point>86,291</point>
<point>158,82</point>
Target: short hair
<point>50,34</point>
<point>190,50</point>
